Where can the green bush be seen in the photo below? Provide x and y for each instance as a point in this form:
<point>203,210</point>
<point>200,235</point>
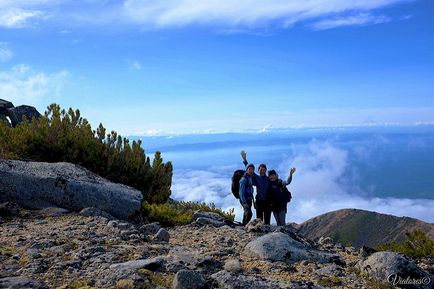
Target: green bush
<point>416,245</point>
<point>61,136</point>
<point>179,213</point>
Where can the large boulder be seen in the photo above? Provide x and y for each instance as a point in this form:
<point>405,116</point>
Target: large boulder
<point>5,105</point>
<point>16,114</point>
<point>396,269</point>
<point>152,264</point>
<point>279,246</point>
<point>4,110</point>
<point>37,184</point>
<point>188,279</point>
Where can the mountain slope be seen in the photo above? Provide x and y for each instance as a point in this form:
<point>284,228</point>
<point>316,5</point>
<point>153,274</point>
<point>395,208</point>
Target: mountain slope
<point>360,227</point>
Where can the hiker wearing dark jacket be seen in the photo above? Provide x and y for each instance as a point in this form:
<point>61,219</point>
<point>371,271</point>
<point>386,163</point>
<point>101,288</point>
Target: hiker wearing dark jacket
<point>246,193</point>
<point>263,205</point>
<point>279,199</point>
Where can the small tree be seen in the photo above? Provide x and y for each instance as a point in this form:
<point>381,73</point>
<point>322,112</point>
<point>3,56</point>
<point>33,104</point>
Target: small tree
<point>61,136</point>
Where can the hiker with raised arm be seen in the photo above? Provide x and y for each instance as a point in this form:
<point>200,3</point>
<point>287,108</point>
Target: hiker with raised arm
<point>246,193</point>
<point>280,196</point>
<point>262,202</point>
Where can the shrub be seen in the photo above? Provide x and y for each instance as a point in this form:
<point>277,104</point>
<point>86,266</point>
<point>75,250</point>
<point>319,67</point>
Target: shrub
<point>330,281</point>
<point>179,213</point>
<point>61,136</point>
<point>416,245</point>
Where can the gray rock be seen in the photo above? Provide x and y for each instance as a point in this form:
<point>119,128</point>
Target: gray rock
<point>41,222</point>
<point>150,229</point>
<point>366,251</point>
<point>223,252</point>
<point>185,255</point>
<point>153,264</point>
<point>53,212</point>
<point>209,215</point>
<point>34,253</point>
<point>257,225</point>
<point>326,242</point>
<point>4,111</point>
<point>95,212</point>
<point>210,222</point>
<point>330,270</point>
<point>57,250</point>
<point>37,184</point>
<point>5,105</point>
<point>227,280</point>
<point>16,114</point>
<point>162,236</point>
<point>278,246</point>
<point>233,266</point>
<point>40,245</point>
<point>111,279</point>
<point>39,266</point>
<point>209,264</point>
<point>124,226</point>
<point>91,252</point>
<point>9,209</point>
<point>175,266</point>
<point>113,224</point>
<point>129,234</point>
<point>187,279</point>
<point>304,285</point>
<point>396,269</point>
<point>66,264</point>
<point>21,282</point>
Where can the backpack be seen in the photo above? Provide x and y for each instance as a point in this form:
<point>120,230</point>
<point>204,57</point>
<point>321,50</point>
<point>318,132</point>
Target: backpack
<point>286,192</point>
<point>236,177</point>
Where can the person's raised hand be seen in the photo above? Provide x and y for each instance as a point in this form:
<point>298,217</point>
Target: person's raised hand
<point>244,155</point>
<point>292,171</point>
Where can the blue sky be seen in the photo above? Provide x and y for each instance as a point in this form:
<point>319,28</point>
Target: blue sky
<point>182,66</point>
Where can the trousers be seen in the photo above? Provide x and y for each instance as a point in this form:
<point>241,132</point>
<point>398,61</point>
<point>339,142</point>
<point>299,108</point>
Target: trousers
<point>280,216</point>
<point>263,211</point>
<point>247,215</point>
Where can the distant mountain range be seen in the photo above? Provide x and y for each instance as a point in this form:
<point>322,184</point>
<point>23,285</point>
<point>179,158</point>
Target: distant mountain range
<point>360,227</point>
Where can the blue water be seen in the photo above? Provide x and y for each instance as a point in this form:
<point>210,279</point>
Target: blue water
<point>390,170</point>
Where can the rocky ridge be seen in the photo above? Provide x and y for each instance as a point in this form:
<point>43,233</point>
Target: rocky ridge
<point>360,227</point>
<point>14,115</point>
<point>56,248</point>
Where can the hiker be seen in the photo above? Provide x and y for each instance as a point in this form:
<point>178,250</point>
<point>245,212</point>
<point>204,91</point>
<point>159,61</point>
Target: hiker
<point>262,202</point>
<point>279,195</point>
<point>246,193</point>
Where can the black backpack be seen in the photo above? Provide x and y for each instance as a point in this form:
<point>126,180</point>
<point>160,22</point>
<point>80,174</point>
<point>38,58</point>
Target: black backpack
<point>236,177</point>
<point>286,192</point>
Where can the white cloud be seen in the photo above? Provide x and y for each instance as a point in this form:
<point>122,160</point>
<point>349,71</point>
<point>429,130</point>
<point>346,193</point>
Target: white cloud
<point>134,65</point>
<point>227,15</point>
<point>5,53</point>
<point>205,186</point>
<point>18,18</point>
<point>361,19</point>
<point>22,85</point>
<point>274,121</point>
<point>244,13</point>
<point>319,186</point>
<point>152,132</point>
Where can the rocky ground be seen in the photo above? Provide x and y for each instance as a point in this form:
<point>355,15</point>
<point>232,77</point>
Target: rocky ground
<point>55,248</point>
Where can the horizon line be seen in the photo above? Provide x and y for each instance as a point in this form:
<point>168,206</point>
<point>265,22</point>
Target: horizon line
<point>270,129</point>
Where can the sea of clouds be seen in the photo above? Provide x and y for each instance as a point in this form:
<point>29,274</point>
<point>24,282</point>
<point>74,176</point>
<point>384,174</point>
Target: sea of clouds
<point>325,180</point>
